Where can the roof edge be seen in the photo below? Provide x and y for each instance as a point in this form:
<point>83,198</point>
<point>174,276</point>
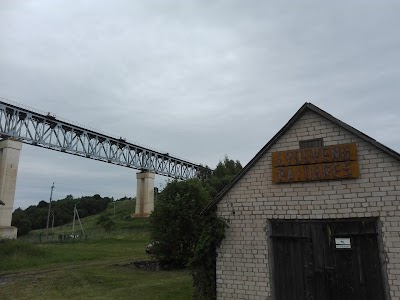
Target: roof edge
<point>305,107</point>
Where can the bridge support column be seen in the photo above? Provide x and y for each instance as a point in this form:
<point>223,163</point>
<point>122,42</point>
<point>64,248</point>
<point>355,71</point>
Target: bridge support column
<point>9,158</point>
<point>144,195</point>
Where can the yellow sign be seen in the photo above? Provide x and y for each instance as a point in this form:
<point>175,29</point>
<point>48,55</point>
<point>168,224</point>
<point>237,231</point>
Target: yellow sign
<point>321,163</point>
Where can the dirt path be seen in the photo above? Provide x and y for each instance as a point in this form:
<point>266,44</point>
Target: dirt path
<point>36,274</point>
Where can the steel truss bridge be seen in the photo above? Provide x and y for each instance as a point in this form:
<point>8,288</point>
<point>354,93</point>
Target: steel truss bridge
<point>45,130</point>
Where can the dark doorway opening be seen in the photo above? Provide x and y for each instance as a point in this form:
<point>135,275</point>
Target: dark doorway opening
<point>326,260</point>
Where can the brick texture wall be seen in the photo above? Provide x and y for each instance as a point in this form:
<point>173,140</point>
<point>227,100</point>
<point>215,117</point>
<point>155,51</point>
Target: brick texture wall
<point>243,265</point>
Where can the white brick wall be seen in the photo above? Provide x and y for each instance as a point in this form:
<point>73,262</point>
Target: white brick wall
<point>243,266</point>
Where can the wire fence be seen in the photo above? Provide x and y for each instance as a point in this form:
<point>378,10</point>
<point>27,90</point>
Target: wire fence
<point>91,234</point>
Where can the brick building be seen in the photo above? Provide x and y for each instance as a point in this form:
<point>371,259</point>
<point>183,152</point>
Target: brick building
<point>314,215</point>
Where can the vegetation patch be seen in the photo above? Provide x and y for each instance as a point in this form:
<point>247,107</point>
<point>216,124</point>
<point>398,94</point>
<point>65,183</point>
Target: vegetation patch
<point>107,260</point>
<point>146,265</point>
<point>20,249</point>
<point>87,270</point>
<point>36,216</point>
<point>151,265</point>
<point>181,236</point>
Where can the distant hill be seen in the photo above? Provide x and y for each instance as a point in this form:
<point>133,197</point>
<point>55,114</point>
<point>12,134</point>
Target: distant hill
<point>35,216</point>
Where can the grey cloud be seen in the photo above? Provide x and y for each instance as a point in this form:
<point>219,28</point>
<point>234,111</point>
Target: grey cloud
<point>197,79</point>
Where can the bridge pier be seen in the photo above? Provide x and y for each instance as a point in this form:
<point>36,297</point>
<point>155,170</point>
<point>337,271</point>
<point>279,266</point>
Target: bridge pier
<point>144,195</point>
<point>9,158</point>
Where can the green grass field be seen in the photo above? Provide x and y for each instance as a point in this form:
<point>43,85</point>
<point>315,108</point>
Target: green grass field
<point>121,216</point>
<point>96,268</point>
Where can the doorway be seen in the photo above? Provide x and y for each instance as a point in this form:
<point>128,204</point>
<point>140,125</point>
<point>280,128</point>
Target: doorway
<point>326,260</point>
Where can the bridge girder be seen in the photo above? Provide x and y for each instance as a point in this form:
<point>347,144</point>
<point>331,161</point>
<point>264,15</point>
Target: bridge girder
<point>47,131</point>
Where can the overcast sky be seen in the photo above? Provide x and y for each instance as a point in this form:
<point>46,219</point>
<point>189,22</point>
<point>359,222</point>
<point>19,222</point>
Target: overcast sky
<point>198,79</point>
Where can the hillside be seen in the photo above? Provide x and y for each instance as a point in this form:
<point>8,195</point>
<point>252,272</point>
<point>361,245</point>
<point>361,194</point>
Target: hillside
<point>119,212</point>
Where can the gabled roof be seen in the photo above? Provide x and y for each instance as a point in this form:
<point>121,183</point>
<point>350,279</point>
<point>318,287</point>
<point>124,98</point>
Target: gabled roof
<point>306,107</point>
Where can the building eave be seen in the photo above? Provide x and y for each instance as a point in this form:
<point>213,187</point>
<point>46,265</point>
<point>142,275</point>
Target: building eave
<point>306,107</point>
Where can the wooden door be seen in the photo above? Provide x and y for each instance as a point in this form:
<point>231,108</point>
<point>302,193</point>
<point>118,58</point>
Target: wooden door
<point>310,263</point>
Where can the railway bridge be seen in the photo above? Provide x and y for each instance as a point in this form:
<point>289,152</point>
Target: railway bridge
<point>20,125</point>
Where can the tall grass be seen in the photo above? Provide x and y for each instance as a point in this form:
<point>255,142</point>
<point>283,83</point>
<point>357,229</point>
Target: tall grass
<point>14,248</point>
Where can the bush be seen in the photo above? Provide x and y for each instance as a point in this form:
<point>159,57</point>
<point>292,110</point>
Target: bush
<point>183,236</point>
<point>106,223</point>
<point>176,221</point>
<point>204,259</point>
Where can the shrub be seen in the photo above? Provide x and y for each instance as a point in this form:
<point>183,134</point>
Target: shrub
<point>176,221</point>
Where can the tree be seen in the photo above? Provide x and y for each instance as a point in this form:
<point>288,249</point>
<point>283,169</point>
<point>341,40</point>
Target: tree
<point>106,223</point>
<point>225,171</point>
<point>228,167</point>
<point>108,226</point>
<point>176,221</point>
<point>21,221</point>
<point>24,227</point>
<point>181,236</point>
<point>203,262</point>
<point>43,204</point>
<point>176,215</point>
<point>35,216</point>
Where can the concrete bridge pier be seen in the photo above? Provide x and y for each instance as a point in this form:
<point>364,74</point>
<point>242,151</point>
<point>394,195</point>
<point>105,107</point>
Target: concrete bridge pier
<point>144,195</point>
<point>9,158</point>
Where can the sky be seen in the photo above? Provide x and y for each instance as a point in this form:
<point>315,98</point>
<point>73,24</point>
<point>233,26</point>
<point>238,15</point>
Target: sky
<point>197,79</point>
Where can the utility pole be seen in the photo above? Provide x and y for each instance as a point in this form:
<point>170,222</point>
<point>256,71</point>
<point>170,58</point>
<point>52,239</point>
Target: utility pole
<point>76,215</point>
<point>73,223</point>
<point>48,214</point>
<point>52,224</point>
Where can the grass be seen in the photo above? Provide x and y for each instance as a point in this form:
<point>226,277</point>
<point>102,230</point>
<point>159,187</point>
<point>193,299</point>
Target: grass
<point>93,269</point>
<point>124,225</point>
<point>24,255</point>
<point>98,282</point>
